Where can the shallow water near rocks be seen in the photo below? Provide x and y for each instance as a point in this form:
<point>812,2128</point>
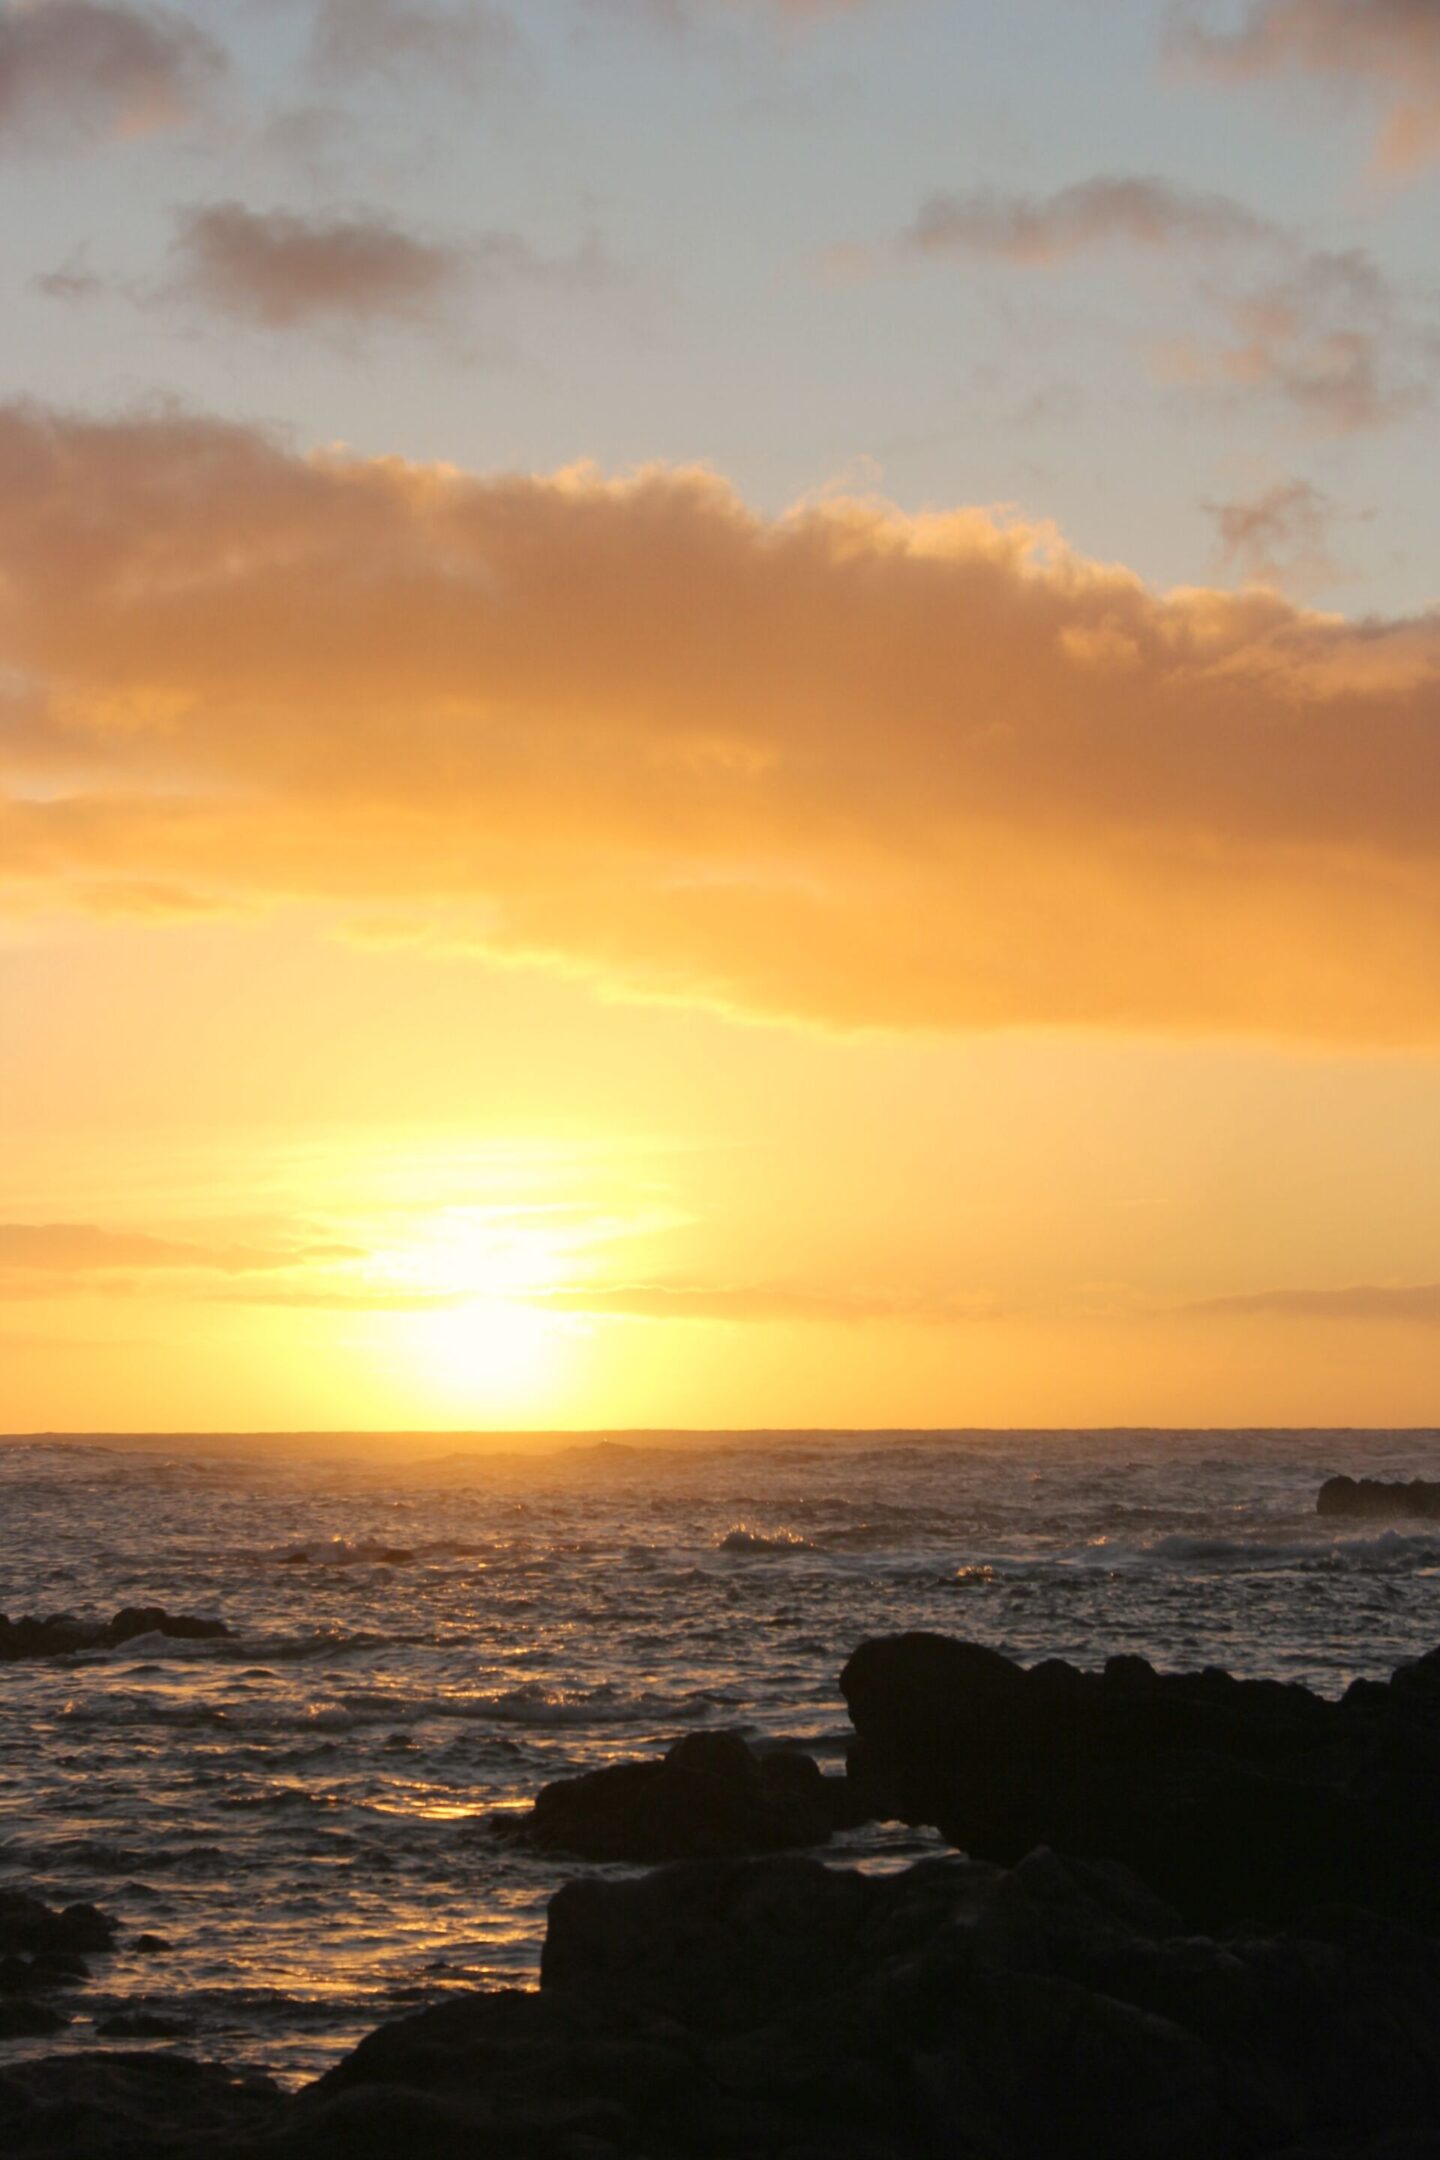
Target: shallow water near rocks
<point>303,1812</point>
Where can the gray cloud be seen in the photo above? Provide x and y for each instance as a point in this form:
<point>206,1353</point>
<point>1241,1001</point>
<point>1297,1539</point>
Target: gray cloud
<point>346,272</point>
<point>1278,534</point>
<point>1039,230</point>
<point>283,271</point>
<point>1330,338</point>
<point>1322,332</point>
<point>1387,48</point>
<point>70,280</point>
<point>459,43</point>
<point>76,69</point>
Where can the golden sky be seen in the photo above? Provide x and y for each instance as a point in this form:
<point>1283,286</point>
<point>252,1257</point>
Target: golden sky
<point>616,813</point>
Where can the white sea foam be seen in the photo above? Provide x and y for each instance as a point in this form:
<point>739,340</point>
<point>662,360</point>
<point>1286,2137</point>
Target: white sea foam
<point>745,1538</point>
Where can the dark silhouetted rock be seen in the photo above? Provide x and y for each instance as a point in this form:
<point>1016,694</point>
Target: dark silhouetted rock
<point>144,2025</point>
<point>154,1620</point>
<point>341,1555</point>
<point>1235,1800</point>
<point>22,2018</point>
<point>710,1797</point>
<point>42,1950</point>
<point>30,1928</point>
<point>779,2010</point>
<point>115,2106</point>
<point>62,1634</point>
<point>1373,1497</point>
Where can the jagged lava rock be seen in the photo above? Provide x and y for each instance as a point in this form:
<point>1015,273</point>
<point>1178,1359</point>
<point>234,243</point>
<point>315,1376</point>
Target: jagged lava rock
<point>711,1796</point>
<point>1234,1799</point>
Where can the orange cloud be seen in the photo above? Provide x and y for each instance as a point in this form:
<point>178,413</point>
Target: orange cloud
<point>845,766</point>
<point>1392,47</point>
<point>71,69</point>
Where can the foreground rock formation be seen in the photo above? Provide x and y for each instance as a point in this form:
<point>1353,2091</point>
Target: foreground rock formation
<point>1236,1800</point>
<point>1372,1497</point>
<point>780,2010</point>
<point>1199,1920</point>
<point>62,1634</point>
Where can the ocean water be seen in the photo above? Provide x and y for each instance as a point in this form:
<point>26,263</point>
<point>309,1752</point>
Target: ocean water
<point>306,1812</point>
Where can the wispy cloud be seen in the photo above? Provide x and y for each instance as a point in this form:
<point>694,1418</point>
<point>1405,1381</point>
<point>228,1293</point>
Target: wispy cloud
<point>286,271</point>
<point>1278,536</point>
<point>846,766</point>
<point>1327,337</point>
<point>681,13</point>
<point>71,1249</point>
<point>458,43</point>
<point>1388,49</point>
<point>762,1302</point>
<point>1322,332</point>
<point>1113,209</point>
<point>72,71</point>
<point>1417,1304</point>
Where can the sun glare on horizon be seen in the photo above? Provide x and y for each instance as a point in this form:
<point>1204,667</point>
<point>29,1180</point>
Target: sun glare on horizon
<point>466,1286</point>
<point>494,1354</point>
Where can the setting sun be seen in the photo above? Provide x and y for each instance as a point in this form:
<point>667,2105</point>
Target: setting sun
<point>489,1358</point>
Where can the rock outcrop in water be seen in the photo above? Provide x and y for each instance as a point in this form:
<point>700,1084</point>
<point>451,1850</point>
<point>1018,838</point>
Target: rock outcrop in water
<point>61,1634</point>
<point>28,1927</point>
<point>1373,1497</point>
<point>43,1951</point>
<point>710,1797</point>
<point>1233,1799</point>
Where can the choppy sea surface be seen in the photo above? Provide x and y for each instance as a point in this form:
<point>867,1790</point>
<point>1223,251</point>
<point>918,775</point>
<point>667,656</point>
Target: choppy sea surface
<point>304,1812</point>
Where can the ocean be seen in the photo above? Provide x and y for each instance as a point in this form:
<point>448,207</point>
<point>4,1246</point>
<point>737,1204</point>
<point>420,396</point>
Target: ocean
<point>305,1812</point>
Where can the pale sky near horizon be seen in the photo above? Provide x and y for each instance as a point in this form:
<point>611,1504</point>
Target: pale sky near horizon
<point>716,712</point>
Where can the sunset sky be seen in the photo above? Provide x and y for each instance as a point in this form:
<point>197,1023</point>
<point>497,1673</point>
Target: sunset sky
<point>719,712</point>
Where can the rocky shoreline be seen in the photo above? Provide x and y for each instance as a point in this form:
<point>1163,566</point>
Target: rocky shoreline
<point>1188,1916</point>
